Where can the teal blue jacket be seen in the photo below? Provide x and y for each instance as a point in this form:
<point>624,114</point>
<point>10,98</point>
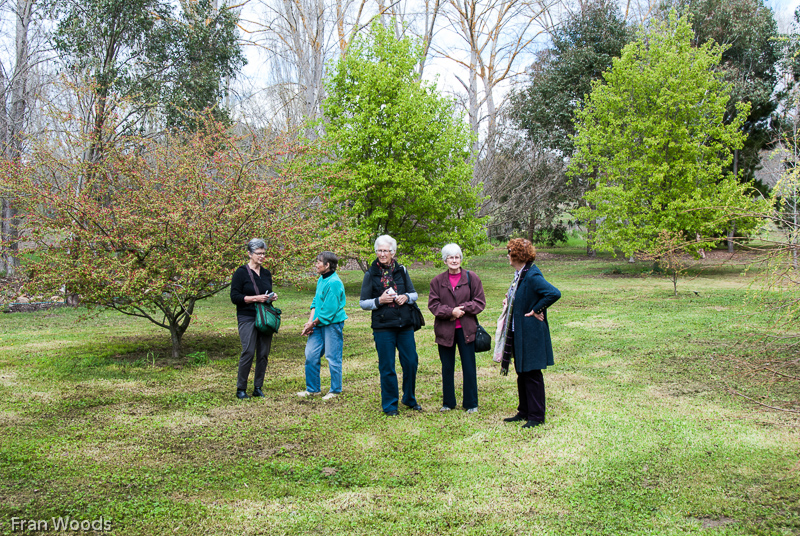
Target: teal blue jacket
<point>329,301</point>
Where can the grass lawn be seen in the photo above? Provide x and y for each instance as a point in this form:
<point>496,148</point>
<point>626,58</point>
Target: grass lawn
<point>645,433</point>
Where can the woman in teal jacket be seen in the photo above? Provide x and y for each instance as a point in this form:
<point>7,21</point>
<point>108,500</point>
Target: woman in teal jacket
<point>325,328</point>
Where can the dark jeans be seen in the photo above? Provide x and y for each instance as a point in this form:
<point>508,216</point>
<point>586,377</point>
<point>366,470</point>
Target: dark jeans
<point>254,343</point>
<point>385,344</point>
<point>530,386</point>
<point>447,354</point>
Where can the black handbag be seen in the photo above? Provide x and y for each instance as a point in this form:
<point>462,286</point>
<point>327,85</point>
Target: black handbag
<point>483,341</point>
<point>417,320</point>
<point>268,317</point>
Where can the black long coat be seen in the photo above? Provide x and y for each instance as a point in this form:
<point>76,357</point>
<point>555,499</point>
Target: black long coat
<point>533,349</point>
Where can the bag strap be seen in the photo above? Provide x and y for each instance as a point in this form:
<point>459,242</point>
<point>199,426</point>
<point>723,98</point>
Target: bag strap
<point>469,285</point>
<point>252,279</point>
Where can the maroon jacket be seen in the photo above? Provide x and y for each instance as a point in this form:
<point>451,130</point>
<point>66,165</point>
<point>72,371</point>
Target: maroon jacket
<point>443,299</point>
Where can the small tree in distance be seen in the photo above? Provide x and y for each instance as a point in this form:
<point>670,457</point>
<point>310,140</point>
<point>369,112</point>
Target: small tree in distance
<point>163,223</point>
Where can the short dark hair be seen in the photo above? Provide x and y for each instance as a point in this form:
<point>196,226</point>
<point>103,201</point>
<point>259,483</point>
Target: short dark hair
<point>329,257</point>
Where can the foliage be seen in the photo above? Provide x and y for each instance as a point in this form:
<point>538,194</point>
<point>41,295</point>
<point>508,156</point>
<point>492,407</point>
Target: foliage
<point>406,148</point>
<point>138,56</point>
<point>162,223</point>
<point>748,31</point>
<point>654,142</point>
<point>562,76</point>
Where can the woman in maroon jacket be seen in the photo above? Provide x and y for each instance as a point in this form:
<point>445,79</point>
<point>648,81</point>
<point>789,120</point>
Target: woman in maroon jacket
<point>456,297</point>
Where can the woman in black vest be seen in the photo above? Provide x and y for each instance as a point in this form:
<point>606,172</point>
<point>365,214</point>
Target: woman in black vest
<point>387,291</point>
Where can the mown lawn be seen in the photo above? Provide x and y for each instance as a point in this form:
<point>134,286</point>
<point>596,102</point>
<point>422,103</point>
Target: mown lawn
<point>644,433</point>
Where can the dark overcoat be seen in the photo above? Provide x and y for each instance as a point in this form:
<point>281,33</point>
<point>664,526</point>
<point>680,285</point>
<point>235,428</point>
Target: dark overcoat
<point>532,347</point>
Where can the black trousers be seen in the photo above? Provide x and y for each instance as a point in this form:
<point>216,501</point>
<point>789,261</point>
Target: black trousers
<point>254,344</point>
<point>447,354</point>
<point>530,386</point>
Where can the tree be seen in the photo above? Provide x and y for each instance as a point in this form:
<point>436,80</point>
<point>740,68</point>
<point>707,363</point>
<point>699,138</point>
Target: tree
<point>654,141</point>
<point>183,209</point>
<point>562,76</point>
<point>528,190</point>
<point>407,150</point>
<point>17,97</point>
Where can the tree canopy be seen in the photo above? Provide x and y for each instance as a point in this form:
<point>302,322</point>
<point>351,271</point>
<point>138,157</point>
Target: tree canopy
<point>654,141</point>
<point>183,210</point>
<point>406,148</point>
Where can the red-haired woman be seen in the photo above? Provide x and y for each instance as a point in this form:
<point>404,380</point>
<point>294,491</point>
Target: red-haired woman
<point>526,337</point>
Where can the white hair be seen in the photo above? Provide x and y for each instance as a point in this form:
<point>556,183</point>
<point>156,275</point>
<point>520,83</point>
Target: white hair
<point>451,250</point>
<point>387,241</point>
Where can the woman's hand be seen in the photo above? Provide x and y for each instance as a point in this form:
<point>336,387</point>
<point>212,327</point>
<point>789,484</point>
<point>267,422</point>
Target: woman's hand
<point>505,302</point>
<point>261,298</point>
<point>308,328</point>
<point>401,299</point>
<point>387,296</point>
<point>458,312</point>
<point>537,316</point>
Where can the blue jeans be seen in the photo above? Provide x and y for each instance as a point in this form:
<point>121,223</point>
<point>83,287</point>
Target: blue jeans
<point>328,341</point>
<point>385,343</point>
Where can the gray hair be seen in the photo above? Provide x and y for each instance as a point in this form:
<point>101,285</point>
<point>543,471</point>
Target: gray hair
<point>387,240</point>
<point>451,250</point>
<point>256,243</point>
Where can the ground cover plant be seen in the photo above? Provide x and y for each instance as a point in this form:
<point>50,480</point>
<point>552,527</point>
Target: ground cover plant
<point>645,431</point>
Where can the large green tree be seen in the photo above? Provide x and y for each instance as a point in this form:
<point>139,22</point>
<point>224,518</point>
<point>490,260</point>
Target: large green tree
<point>654,142</point>
<point>406,149</point>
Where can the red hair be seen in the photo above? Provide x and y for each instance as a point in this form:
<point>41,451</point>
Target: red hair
<point>521,250</point>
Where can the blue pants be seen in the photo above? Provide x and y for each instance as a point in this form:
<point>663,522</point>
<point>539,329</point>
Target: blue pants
<point>447,354</point>
<point>328,341</point>
<point>385,344</point>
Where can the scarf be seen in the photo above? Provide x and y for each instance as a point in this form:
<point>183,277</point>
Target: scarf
<point>506,341</point>
<point>387,280</point>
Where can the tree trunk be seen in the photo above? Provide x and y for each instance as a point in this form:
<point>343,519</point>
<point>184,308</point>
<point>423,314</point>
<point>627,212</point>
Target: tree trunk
<point>175,335</point>
<point>14,124</point>
<point>731,236</point>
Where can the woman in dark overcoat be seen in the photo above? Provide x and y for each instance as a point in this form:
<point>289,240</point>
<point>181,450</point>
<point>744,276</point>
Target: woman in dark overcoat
<point>526,336</point>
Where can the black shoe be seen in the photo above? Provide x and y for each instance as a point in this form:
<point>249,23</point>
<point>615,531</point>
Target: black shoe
<point>531,424</point>
<point>241,395</point>
<point>515,418</point>
<point>392,413</point>
<point>257,392</point>
<point>416,408</point>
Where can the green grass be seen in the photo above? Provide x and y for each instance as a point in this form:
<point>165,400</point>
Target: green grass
<point>644,433</point>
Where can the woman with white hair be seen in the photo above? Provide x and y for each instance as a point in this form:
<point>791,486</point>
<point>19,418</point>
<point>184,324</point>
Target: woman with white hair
<point>252,283</point>
<point>387,291</point>
<point>455,299</point>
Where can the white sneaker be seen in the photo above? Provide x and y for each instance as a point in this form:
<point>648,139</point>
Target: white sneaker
<point>330,395</point>
<point>303,394</point>
<point>444,408</point>
<point>472,410</point>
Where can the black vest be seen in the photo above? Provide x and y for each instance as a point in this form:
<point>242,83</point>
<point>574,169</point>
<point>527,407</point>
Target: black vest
<point>386,317</point>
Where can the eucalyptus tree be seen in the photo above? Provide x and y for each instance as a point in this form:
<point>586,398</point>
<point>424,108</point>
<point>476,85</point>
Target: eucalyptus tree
<point>18,90</point>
